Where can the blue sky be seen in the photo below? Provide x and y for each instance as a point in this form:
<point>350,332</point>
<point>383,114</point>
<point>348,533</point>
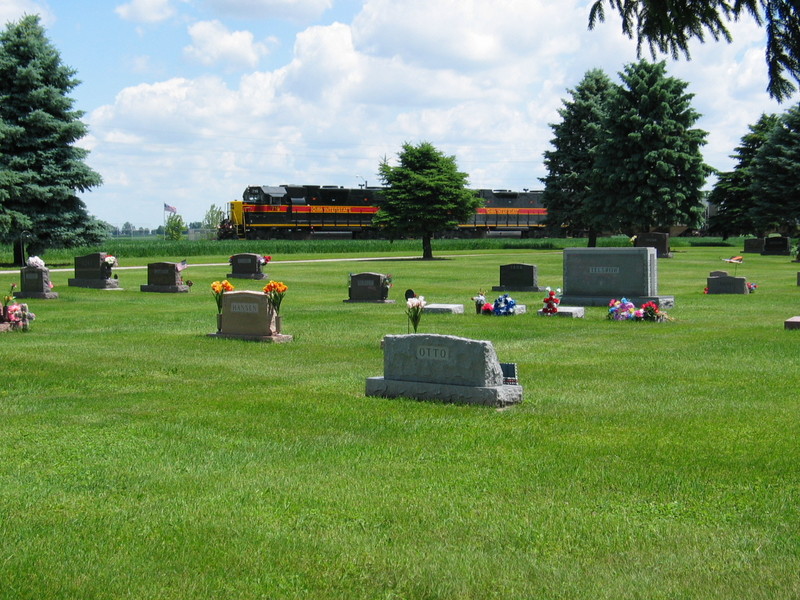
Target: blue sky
<point>190,101</point>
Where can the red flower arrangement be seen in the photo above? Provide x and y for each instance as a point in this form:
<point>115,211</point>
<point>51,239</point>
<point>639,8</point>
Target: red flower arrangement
<point>551,302</point>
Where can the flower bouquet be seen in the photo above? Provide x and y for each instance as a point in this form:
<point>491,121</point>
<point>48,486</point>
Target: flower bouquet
<point>218,288</point>
<point>551,301</point>
<point>35,262</point>
<point>414,307</point>
<point>15,317</point>
<point>625,310</point>
<point>504,306</point>
<point>480,301</point>
<point>275,291</point>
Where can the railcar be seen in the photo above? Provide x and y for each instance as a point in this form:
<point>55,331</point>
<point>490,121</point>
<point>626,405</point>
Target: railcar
<point>297,211</point>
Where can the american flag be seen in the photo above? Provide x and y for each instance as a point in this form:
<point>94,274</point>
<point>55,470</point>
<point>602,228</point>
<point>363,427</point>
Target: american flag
<point>169,208</point>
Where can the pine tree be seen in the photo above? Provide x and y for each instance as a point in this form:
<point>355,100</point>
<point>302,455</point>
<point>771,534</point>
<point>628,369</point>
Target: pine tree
<point>648,170</point>
<point>569,164</point>
<point>732,194</point>
<point>426,194</point>
<point>776,187</point>
<point>41,169</point>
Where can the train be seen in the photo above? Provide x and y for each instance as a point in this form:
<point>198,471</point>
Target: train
<point>300,211</point>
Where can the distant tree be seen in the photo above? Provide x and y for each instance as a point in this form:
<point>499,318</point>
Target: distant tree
<point>775,168</point>
<point>668,27</point>
<point>159,230</point>
<point>648,169</point>
<point>569,163</point>
<point>213,217</point>
<point>41,168</point>
<point>174,228</point>
<point>127,228</point>
<point>195,225</point>
<point>426,194</point>
<point>733,195</point>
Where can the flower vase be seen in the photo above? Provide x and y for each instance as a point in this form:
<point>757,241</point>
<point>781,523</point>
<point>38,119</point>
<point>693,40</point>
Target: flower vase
<point>278,324</point>
<point>4,315</point>
<point>219,322</point>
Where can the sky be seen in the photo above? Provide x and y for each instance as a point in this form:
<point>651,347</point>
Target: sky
<point>190,101</point>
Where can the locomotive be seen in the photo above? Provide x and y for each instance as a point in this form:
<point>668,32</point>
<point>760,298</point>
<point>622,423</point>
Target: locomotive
<point>297,211</point>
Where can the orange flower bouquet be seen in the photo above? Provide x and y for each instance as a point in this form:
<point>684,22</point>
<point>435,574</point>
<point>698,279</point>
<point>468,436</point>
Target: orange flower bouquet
<point>275,291</point>
<point>218,288</point>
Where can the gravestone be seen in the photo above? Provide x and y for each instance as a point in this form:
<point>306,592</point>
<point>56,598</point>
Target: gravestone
<point>456,309</point>
<point>246,266</point>
<point>652,239</point>
<point>718,274</point>
<point>248,315</point>
<point>777,246</point>
<point>726,284</point>
<point>753,245</point>
<point>792,323</point>
<point>518,277</point>
<point>798,278</point>
<point>443,368</point>
<point>35,283</point>
<point>570,312</point>
<point>595,276</point>
<point>165,277</point>
<point>369,287</point>
<point>92,271</point>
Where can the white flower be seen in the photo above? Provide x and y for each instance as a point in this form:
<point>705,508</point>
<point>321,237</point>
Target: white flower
<point>35,262</point>
<point>416,302</point>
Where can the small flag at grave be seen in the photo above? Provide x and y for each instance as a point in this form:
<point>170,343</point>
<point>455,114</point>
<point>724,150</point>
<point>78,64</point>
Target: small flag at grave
<point>181,265</point>
<point>734,259</point>
<point>170,209</point>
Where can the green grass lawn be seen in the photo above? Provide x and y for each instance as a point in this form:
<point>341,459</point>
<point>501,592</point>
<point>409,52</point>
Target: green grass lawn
<point>140,458</point>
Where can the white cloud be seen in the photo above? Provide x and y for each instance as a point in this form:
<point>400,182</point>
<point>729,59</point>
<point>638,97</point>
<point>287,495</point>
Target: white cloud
<point>299,10</point>
<point>146,11</point>
<point>213,43</point>
<point>14,10</point>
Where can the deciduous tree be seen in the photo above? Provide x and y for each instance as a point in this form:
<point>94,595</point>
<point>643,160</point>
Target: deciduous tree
<point>41,168</point>
<point>425,194</point>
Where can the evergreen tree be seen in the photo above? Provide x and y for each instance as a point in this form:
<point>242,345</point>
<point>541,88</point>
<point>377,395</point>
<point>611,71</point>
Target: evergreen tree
<point>426,194</point>
<point>569,164</point>
<point>669,26</point>
<point>41,169</point>
<point>648,170</point>
<point>732,194</point>
<point>776,186</point>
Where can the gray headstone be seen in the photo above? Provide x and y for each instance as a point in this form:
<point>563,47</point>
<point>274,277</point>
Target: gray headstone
<point>727,285</point>
<point>35,283</point>
<point>442,367</point>
<point>594,276</point>
<point>754,245</point>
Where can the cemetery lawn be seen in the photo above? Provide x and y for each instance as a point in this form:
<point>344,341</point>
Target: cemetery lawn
<point>140,458</point>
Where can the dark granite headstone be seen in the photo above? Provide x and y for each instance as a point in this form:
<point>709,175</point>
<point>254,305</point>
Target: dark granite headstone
<point>93,271</point>
<point>165,277</point>
<point>518,277</point>
<point>777,246</point>
<point>754,245</point>
<point>369,287</point>
<point>652,239</point>
<point>35,283</point>
<point>246,266</point>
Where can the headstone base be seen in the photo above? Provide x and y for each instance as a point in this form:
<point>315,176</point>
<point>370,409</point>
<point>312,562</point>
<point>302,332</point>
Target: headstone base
<point>278,338</point>
<point>498,396</point>
<point>165,289</point>
<point>661,301</point>
<point>572,312</point>
<point>247,276</point>
<point>456,309</point>
<point>37,295</point>
<point>95,284</point>
<point>371,301</point>
<point>793,323</point>
<point>514,288</point>
<point>5,327</point>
